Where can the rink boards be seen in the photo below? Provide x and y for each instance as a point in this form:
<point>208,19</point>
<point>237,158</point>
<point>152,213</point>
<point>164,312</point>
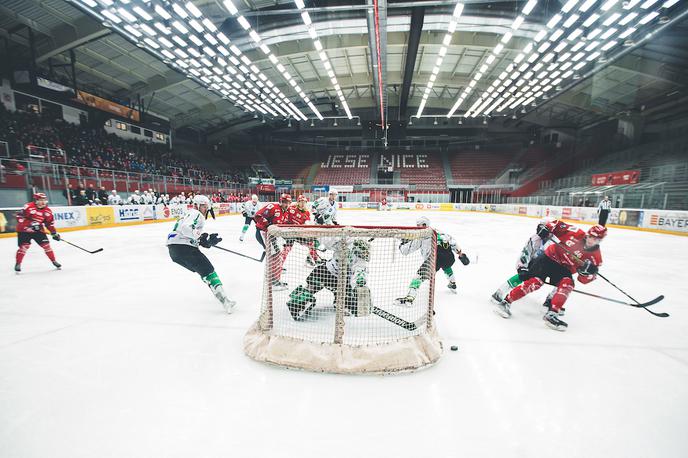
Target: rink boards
<point>75,218</point>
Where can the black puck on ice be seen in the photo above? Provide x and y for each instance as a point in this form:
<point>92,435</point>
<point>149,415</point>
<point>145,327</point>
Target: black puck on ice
<point>454,348</point>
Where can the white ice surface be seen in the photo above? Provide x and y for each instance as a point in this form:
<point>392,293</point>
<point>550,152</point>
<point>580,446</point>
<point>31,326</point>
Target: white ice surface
<point>125,354</point>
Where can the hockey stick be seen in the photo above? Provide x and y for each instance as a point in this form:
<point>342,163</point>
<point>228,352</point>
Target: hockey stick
<point>637,304</point>
<point>262,256</point>
<point>409,326</point>
<point>83,249</point>
<point>630,304</point>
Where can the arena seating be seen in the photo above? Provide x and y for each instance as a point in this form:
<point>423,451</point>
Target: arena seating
<point>290,165</point>
<point>477,166</point>
<point>431,178</point>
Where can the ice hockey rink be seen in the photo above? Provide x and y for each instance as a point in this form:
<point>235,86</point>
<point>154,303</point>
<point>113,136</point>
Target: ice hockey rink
<point>125,354</point>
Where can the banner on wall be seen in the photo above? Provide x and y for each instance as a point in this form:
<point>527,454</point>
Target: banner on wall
<point>668,221</point>
<point>614,178</point>
<point>8,220</point>
<point>341,188</point>
<point>69,217</point>
<point>128,214</point>
<point>100,216</point>
<point>107,105</point>
<point>320,188</point>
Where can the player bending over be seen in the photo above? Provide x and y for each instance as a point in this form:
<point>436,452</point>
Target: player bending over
<point>532,249</point>
<point>183,243</point>
<point>249,210</point>
<point>325,209</point>
<point>30,222</point>
<point>570,250</point>
<point>446,247</point>
<point>324,276</point>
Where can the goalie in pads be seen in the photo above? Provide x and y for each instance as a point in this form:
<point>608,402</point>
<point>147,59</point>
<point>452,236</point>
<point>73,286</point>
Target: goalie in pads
<point>324,276</point>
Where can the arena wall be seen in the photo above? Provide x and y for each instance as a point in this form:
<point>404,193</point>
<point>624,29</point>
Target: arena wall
<point>77,218</point>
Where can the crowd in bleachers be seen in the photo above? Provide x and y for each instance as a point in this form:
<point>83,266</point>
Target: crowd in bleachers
<point>88,147</point>
<point>89,195</point>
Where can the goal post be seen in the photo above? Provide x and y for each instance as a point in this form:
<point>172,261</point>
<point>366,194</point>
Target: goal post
<point>330,299</point>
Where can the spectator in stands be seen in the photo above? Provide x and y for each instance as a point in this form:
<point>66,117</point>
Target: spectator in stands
<point>114,198</point>
<point>81,199</point>
<point>603,209</point>
<point>69,194</point>
<point>102,195</point>
<point>91,193</point>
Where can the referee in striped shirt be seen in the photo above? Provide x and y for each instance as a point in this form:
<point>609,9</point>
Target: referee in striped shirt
<point>603,211</point>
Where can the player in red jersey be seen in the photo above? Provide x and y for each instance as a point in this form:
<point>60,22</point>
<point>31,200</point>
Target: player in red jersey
<point>296,214</point>
<point>570,250</point>
<point>30,223</point>
<point>265,217</point>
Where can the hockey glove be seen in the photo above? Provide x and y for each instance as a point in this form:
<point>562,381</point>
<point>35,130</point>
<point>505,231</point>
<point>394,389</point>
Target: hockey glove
<point>523,273</point>
<point>207,241</point>
<point>360,280</point>
<point>544,233</point>
<point>464,259</point>
<point>587,268</point>
<point>36,227</point>
<point>56,237</point>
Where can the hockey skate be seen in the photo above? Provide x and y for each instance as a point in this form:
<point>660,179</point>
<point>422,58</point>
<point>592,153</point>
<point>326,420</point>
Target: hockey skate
<point>547,306</point>
<point>503,309</point>
<point>17,268</point>
<point>496,297</point>
<point>452,286</point>
<point>279,285</point>
<point>57,265</point>
<point>310,262</point>
<point>300,302</point>
<point>404,301</point>
<point>226,302</point>
<point>241,237</point>
<point>553,321</point>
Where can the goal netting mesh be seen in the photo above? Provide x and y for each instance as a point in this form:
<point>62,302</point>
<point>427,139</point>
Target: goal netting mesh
<point>347,300</point>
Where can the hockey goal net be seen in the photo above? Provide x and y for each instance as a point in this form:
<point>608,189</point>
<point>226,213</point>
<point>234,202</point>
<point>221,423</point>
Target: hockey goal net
<point>331,303</point>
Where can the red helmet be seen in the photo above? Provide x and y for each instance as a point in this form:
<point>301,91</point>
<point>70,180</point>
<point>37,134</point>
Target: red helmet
<point>286,197</point>
<point>39,196</point>
<point>597,231</point>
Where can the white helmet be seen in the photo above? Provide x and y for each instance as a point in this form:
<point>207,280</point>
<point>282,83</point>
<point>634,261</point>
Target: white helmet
<point>254,198</point>
<point>334,191</point>
<point>200,199</point>
<point>423,221</point>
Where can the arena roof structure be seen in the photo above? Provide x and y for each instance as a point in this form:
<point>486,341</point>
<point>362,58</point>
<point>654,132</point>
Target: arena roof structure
<point>227,65</point>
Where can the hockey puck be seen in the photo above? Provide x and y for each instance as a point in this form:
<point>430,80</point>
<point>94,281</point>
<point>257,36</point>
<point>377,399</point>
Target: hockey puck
<point>454,348</point>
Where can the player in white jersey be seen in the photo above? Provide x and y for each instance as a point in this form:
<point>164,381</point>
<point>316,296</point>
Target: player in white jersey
<point>114,198</point>
<point>183,243</point>
<point>446,248</point>
<point>357,301</point>
<point>325,209</point>
<point>249,209</point>
<point>135,199</point>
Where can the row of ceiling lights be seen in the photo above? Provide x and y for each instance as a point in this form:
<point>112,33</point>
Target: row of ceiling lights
<point>186,40</point>
<point>535,72</point>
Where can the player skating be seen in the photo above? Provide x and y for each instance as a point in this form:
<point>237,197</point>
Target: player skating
<point>249,210</point>
<point>325,209</point>
<point>298,214</point>
<point>324,276</point>
<point>30,223</point>
<point>183,243</point>
<point>533,248</point>
<point>265,217</point>
<point>570,250</point>
<point>446,248</point>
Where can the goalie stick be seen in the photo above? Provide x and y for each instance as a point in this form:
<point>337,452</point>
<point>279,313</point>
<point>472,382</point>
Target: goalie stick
<point>83,249</point>
<point>262,256</point>
<point>408,325</point>
<point>637,304</point>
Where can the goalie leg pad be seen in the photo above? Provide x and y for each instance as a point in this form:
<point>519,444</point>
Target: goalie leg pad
<point>364,304</point>
<point>301,300</point>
